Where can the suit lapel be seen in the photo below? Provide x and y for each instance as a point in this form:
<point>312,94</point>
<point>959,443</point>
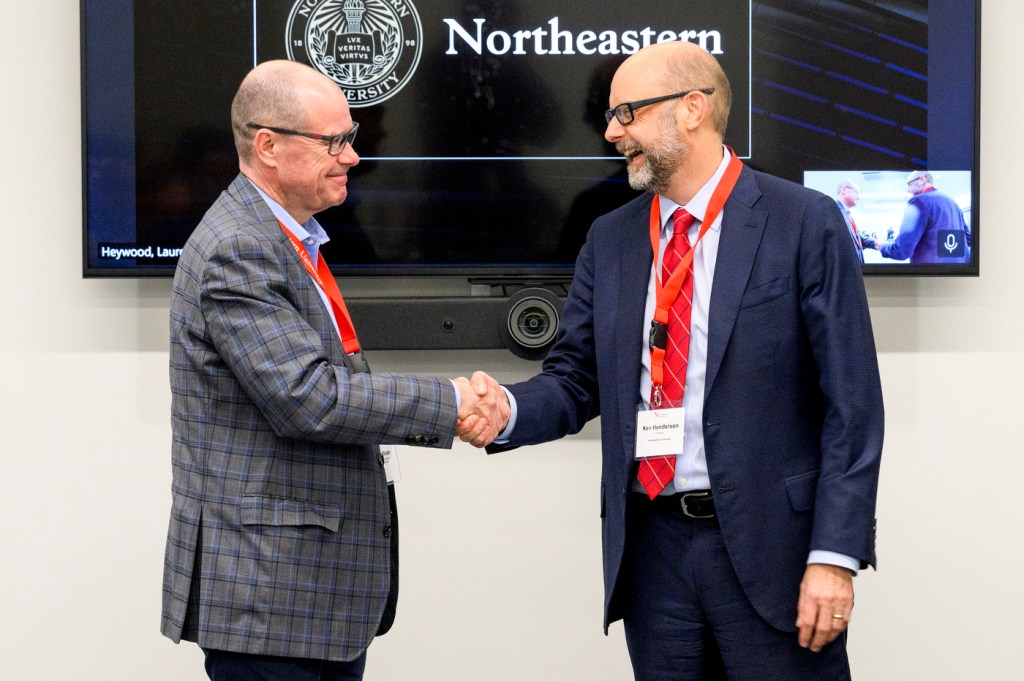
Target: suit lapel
<point>308,297</point>
<point>635,258</point>
<point>245,193</point>
<point>742,229</point>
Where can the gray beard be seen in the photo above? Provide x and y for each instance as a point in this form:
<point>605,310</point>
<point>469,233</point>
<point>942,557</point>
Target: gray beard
<point>653,175</point>
<point>660,163</point>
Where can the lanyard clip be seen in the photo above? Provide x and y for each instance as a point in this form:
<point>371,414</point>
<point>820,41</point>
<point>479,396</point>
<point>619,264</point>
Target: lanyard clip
<point>658,335</point>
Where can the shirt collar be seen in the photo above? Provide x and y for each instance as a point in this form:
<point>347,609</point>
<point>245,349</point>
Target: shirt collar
<point>698,205</point>
<point>310,233</point>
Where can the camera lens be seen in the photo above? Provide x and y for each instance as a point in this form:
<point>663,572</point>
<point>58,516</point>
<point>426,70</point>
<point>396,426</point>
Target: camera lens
<point>534,322</point>
<point>531,322</point>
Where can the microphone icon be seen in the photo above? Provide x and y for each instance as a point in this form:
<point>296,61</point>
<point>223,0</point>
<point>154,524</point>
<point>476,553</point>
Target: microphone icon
<point>951,243</point>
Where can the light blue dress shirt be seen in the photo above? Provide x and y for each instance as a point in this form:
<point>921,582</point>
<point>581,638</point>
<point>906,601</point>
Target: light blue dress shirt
<point>312,236</point>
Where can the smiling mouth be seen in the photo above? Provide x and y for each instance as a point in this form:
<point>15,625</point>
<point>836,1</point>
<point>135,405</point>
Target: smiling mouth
<point>631,152</point>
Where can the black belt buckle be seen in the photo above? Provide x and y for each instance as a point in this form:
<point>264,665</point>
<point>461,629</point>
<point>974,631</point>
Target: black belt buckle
<point>683,500</point>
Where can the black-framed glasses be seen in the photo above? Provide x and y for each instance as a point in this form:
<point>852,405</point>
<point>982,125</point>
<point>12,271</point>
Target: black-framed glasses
<point>626,112</point>
<point>335,143</point>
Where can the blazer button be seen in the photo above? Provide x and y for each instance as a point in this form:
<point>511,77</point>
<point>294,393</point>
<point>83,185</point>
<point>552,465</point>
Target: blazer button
<point>380,459</point>
<point>387,532</point>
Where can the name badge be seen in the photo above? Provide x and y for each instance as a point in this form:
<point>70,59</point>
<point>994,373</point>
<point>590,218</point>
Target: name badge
<point>389,458</point>
<point>660,432</point>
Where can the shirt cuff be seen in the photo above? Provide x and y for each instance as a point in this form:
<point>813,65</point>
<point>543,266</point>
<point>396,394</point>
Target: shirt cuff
<point>832,558</point>
<point>458,395</point>
<point>506,434</point>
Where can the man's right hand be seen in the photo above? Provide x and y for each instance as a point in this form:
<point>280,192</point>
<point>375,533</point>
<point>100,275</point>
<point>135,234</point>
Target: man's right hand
<point>484,409</point>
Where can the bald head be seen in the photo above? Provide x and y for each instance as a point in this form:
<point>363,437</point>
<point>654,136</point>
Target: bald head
<point>919,181</point>
<point>275,93</point>
<point>848,193</point>
<point>285,118</point>
<point>678,66</point>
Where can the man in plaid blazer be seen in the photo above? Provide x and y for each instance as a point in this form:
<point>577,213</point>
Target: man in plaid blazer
<point>281,557</point>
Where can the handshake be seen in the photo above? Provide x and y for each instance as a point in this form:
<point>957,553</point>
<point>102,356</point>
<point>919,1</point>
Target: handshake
<point>484,409</point>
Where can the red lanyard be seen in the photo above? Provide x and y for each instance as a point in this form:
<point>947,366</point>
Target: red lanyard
<point>325,280</point>
<point>667,292</point>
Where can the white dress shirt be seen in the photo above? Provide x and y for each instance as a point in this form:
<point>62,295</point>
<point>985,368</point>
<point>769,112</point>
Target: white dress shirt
<point>691,463</point>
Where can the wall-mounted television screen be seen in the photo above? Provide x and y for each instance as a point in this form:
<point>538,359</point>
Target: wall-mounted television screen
<point>481,121</point>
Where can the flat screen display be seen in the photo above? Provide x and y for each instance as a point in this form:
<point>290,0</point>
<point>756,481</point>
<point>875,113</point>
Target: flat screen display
<point>481,123</point>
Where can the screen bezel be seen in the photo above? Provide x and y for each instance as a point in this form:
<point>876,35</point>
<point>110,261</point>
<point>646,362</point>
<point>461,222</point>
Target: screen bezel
<point>523,271</point>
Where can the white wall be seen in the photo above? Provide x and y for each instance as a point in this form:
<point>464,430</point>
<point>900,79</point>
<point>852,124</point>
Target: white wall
<point>501,574</point>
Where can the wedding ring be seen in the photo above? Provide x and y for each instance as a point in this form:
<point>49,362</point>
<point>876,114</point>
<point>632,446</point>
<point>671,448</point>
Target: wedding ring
<point>838,616</point>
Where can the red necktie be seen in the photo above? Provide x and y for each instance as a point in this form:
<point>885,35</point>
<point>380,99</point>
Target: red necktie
<point>856,236</point>
<point>655,473</point>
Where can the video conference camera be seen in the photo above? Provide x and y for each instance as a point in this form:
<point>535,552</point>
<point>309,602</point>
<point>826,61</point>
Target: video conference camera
<point>531,322</point>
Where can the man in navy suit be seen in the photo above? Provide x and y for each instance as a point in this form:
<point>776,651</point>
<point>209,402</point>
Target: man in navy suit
<point>746,559</point>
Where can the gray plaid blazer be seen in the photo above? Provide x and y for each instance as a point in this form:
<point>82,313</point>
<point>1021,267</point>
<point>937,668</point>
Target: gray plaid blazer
<point>282,536</point>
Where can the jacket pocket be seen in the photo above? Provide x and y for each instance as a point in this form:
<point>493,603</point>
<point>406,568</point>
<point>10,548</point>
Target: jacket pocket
<point>289,512</point>
<point>762,293</point>
<point>801,489</point>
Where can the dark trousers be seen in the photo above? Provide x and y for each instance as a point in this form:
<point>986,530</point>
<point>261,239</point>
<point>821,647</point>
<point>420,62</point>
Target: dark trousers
<point>226,666</point>
<point>685,614</point>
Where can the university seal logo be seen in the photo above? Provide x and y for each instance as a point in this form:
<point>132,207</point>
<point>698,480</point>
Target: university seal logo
<point>368,47</point>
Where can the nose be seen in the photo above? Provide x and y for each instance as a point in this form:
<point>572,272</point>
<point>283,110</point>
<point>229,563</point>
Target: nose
<point>348,156</point>
<point>615,130</point>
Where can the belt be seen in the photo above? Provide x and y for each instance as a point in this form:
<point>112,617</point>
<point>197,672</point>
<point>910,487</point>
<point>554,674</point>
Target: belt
<point>699,505</point>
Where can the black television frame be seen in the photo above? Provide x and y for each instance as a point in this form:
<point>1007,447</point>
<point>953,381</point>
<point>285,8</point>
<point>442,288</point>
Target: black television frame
<point>524,272</point>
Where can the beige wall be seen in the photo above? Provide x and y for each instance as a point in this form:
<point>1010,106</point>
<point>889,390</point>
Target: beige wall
<point>501,575</point>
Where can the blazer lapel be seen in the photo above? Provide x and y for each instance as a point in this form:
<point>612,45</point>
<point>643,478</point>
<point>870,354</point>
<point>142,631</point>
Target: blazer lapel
<point>245,193</point>
<point>307,294</point>
<point>635,258</point>
<point>742,229</point>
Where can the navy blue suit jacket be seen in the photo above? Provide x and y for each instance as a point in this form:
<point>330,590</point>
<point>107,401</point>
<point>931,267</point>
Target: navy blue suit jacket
<point>793,406</point>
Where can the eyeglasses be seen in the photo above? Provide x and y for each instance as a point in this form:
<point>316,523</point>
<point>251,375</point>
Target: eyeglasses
<point>335,143</point>
<point>626,112</point>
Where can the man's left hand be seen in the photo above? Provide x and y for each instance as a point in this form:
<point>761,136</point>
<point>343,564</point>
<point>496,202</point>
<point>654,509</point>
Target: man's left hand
<point>826,601</point>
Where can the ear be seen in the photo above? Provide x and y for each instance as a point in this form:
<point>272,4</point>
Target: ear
<point>692,111</point>
<point>265,148</point>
